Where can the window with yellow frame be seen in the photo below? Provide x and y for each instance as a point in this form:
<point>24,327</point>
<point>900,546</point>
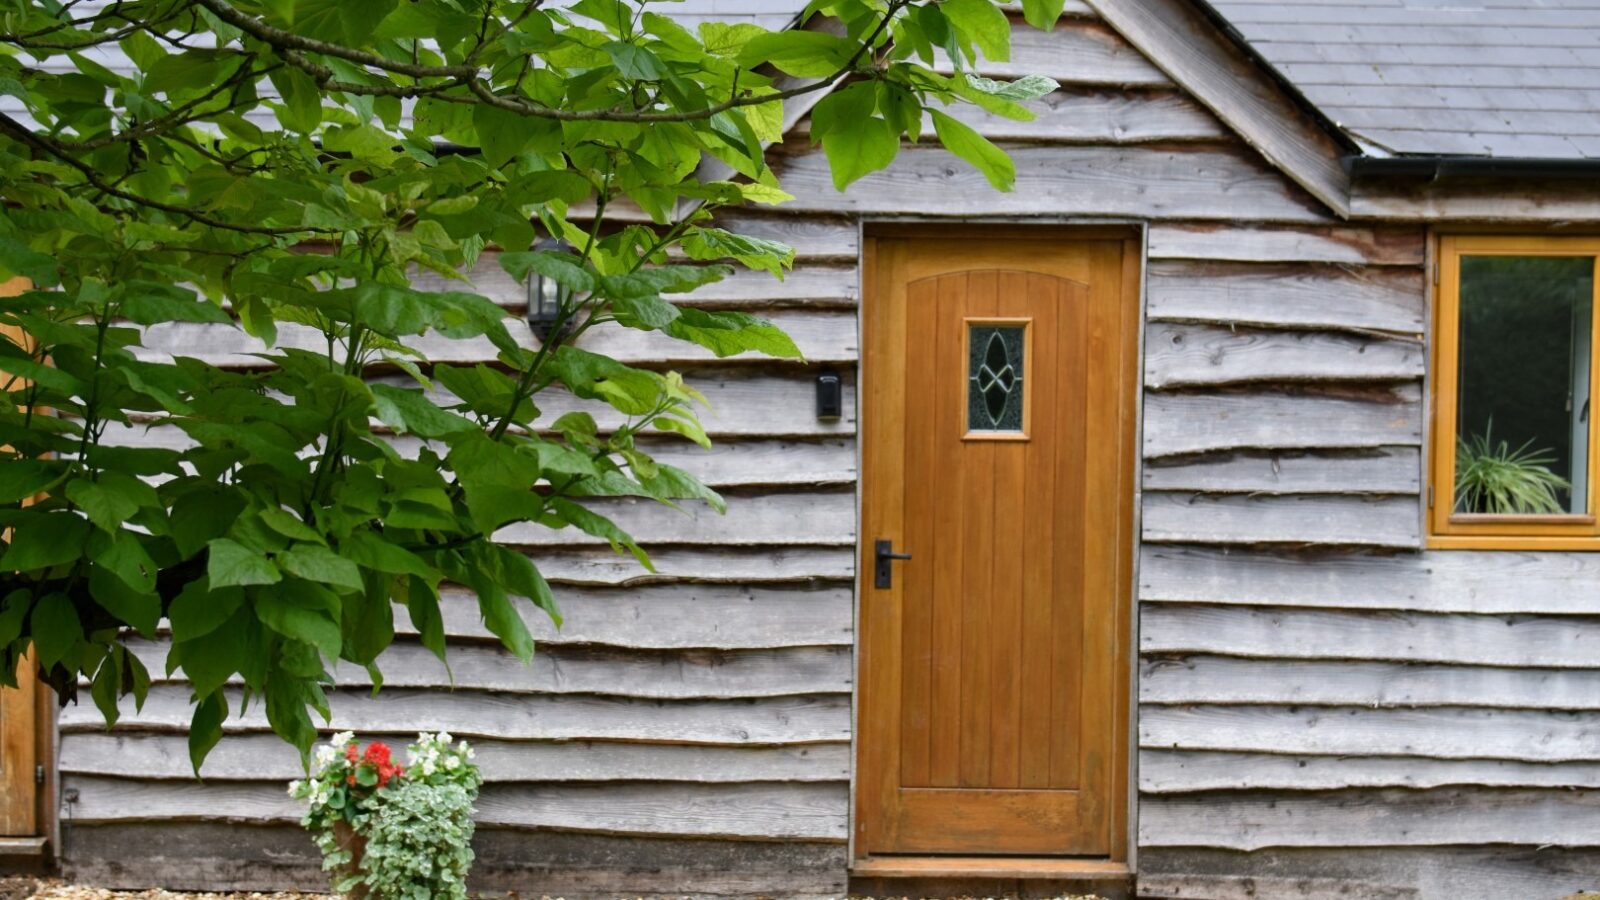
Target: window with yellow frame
<point>1515,372</point>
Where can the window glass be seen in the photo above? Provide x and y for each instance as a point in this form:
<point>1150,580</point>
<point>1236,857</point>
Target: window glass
<point>994,377</point>
<point>1523,407</point>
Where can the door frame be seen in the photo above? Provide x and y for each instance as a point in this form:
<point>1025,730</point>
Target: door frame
<point>1134,234</point>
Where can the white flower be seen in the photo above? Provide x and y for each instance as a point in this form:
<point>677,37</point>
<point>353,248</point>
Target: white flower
<point>428,768</point>
<point>295,786</point>
<point>453,763</point>
<point>326,754</point>
<point>445,738</point>
<point>342,740</point>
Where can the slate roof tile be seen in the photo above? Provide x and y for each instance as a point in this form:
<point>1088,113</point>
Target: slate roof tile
<point>1498,78</point>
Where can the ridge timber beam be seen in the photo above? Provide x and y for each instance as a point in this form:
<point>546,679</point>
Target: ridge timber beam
<point>1182,42</point>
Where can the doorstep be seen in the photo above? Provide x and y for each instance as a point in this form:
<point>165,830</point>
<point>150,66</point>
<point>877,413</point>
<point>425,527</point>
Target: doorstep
<point>13,847</point>
<point>986,867</point>
<point>989,876</point>
<point>22,855</point>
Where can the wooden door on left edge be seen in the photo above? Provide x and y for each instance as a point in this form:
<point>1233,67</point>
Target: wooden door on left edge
<point>998,406</point>
<point>19,718</point>
<point>19,759</point>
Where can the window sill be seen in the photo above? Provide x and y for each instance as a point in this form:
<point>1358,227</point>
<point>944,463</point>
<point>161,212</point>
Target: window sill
<point>1548,543</point>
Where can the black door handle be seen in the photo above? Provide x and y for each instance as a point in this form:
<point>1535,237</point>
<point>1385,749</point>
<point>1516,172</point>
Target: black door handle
<point>883,557</point>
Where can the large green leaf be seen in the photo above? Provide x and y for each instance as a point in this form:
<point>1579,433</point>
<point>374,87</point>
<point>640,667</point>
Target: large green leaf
<point>960,139</point>
<point>411,412</point>
<point>45,540</point>
<point>983,21</point>
<point>231,564</point>
<point>56,629</point>
<point>808,54</point>
<point>314,562</point>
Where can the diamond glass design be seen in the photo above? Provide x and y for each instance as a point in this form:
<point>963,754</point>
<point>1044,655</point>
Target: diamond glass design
<point>994,377</point>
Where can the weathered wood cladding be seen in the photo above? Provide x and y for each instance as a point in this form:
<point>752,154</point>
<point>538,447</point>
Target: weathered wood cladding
<point>1317,696</point>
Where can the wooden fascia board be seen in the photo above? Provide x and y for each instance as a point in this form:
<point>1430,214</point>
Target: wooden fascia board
<point>1190,49</point>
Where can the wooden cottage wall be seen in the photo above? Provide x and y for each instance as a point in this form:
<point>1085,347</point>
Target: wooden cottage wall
<point>1317,697</point>
<point>684,730</point>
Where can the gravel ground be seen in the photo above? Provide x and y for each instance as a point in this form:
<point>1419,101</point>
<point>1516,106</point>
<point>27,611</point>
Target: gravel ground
<point>36,889</point>
<point>50,889</point>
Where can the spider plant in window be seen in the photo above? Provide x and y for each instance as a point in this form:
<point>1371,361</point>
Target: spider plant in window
<point>1494,479</point>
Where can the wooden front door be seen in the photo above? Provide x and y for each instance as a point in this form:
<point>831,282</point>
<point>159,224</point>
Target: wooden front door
<point>998,380</point>
<point>19,707</point>
<point>19,756</point>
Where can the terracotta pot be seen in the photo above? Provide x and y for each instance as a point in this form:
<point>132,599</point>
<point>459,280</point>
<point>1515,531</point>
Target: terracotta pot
<point>356,844</point>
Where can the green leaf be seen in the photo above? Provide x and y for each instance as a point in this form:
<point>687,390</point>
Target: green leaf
<point>973,147</point>
<point>983,21</point>
<point>504,133</point>
<point>55,629</point>
<point>636,62</point>
<point>314,562</point>
<point>729,333</point>
<point>594,377</point>
<point>23,478</point>
<point>1043,14</point>
<point>107,505</point>
<point>140,609</point>
<point>757,253</point>
<point>520,576</point>
<point>208,663</point>
<point>145,308</point>
<point>13,613</point>
<point>282,609</point>
<point>287,524</point>
<point>302,100</point>
<point>205,727</point>
<point>564,268</point>
<point>728,40</point>
<point>286,711</point>
<point>198,610</point>
<point>107,685</point>
<point>365,548</point>
<point>231,564</point>
<point>412,412</point>
<point>502,620</point>
<point>16,258</point>
<point>42,541</point>
<point>422,605</point>
<point>123,553</point>
<point>808,54</point>
<point>858,148</point>
<point>202,514</point>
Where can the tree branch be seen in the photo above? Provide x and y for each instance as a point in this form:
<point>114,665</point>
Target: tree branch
<point>470,75</point>
<point>14,129</point>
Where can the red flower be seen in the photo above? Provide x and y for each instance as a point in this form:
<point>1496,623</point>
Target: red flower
<point>350,752</point>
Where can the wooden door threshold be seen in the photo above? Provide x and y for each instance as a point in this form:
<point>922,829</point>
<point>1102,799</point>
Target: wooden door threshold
<point>986,867</point>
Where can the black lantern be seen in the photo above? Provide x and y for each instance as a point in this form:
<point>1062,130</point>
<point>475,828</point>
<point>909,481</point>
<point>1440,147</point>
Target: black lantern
<point>548,297</point>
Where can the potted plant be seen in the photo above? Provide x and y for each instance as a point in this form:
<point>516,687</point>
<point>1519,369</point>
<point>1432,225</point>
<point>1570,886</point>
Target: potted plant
<point>393,832</point>
<point>1494,479</point>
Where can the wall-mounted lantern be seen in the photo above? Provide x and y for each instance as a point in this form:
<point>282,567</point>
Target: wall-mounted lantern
<point>546,296</point>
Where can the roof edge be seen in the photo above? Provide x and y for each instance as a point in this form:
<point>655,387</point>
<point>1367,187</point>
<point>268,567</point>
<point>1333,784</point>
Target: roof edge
<point>1442,166</point>
<point>1183,40</point>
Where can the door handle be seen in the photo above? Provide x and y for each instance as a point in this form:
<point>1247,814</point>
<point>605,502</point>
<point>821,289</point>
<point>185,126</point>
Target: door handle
<point>883,557</point>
